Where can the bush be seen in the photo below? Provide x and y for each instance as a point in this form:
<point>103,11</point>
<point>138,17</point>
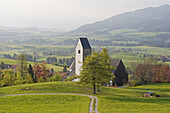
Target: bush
<point>8,77</point>
<point>28,79</point>
<point>41,79</point>
<point>56,77</point>
<point>135,82</point>
<point>71,78</point>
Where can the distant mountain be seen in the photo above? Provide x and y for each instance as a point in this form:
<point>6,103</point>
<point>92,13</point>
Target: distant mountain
<point>152,19</point>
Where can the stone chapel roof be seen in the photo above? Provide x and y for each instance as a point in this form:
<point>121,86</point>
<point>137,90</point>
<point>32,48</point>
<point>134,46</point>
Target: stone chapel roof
<point>85,43</point>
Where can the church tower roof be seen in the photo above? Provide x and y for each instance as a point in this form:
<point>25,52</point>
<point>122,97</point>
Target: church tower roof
<point>85,43</point>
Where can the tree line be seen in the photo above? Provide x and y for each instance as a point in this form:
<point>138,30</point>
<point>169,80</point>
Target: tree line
<point>29,57</point>
<point>149,71</point>
<point>60,61</point>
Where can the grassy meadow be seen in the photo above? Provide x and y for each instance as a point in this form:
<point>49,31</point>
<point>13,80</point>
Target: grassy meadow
<point>45,104</point>
<point>111,99</point>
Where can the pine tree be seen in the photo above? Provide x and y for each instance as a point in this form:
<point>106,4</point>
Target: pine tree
<point>30,70</point>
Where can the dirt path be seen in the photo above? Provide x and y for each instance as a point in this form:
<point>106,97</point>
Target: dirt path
<point>91,103</point>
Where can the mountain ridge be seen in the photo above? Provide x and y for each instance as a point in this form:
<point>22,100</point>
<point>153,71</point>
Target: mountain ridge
<point>151,19</point>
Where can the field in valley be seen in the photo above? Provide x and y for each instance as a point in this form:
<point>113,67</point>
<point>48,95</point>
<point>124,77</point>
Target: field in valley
<point>11,61</point>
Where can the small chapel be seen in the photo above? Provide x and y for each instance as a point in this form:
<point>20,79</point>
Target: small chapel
<point>83,49</point>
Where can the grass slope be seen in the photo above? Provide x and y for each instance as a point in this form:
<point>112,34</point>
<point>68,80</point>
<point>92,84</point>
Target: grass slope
<point>44,104</point>
<point>121,100</point>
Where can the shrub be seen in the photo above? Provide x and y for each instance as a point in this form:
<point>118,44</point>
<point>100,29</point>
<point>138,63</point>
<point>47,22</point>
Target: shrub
<point>28,79</point>
<point>56,77</point>
<point>41,79</point>
<point>135,82</point>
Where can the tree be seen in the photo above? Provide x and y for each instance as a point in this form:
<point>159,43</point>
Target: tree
<point>148,71</point>
<point>91,70</point>
<point>56,77</point>
<point>106,76</point>
<point>35,79</point>
<point>15,56</point>
<point>28,79</point>
<point>64,61</point>
<point>22,67</point>
<point>65,68</point>
<point>19,79</point>
<point>35,59</point>
<point>40,70</point>
<point>60,61</point>
<point>30,70</point>
<point>2,66</point>
<point>8,77</point>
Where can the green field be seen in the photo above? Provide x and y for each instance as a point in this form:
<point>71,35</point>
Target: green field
<point>123,100</point>
<point>11,61</point>
<point>44,104</point>
<point>128,58</point>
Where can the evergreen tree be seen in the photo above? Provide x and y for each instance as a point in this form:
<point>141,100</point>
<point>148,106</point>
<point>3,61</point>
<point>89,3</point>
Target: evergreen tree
<point>30,70</point>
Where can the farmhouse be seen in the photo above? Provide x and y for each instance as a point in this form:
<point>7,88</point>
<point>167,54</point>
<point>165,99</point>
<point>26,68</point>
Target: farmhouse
<point>83,49</point>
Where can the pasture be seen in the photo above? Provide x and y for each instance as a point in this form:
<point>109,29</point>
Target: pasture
<point>111,99</point>
<point>45,104</point>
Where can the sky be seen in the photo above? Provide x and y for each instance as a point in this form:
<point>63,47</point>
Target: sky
<point>66,14</point>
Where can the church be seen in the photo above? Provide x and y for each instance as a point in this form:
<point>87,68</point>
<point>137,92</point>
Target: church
<point>83,49</point>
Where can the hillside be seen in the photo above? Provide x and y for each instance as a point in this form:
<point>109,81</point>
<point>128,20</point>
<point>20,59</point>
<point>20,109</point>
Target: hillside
<point>152,19</point>
<point>124,100</point>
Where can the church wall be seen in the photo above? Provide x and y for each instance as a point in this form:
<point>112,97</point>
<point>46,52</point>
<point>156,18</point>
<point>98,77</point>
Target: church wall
<point>86,52</point>
<point>79,58</point>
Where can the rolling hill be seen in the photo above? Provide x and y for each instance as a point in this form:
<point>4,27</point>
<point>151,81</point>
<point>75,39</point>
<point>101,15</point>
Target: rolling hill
<point>123,100</point>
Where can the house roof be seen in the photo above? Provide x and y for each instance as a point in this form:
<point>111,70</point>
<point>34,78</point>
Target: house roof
<point>115,62</point>
<point>14,66</point>
<point>85,43</point>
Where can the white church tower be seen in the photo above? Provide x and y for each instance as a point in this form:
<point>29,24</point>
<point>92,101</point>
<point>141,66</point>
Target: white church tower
<point>83,49</point>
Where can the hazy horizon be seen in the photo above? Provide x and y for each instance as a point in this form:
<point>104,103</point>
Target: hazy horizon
<point>64,14</point>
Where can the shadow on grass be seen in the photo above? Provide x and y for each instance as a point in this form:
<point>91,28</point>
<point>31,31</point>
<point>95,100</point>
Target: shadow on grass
<point>151,89</point>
